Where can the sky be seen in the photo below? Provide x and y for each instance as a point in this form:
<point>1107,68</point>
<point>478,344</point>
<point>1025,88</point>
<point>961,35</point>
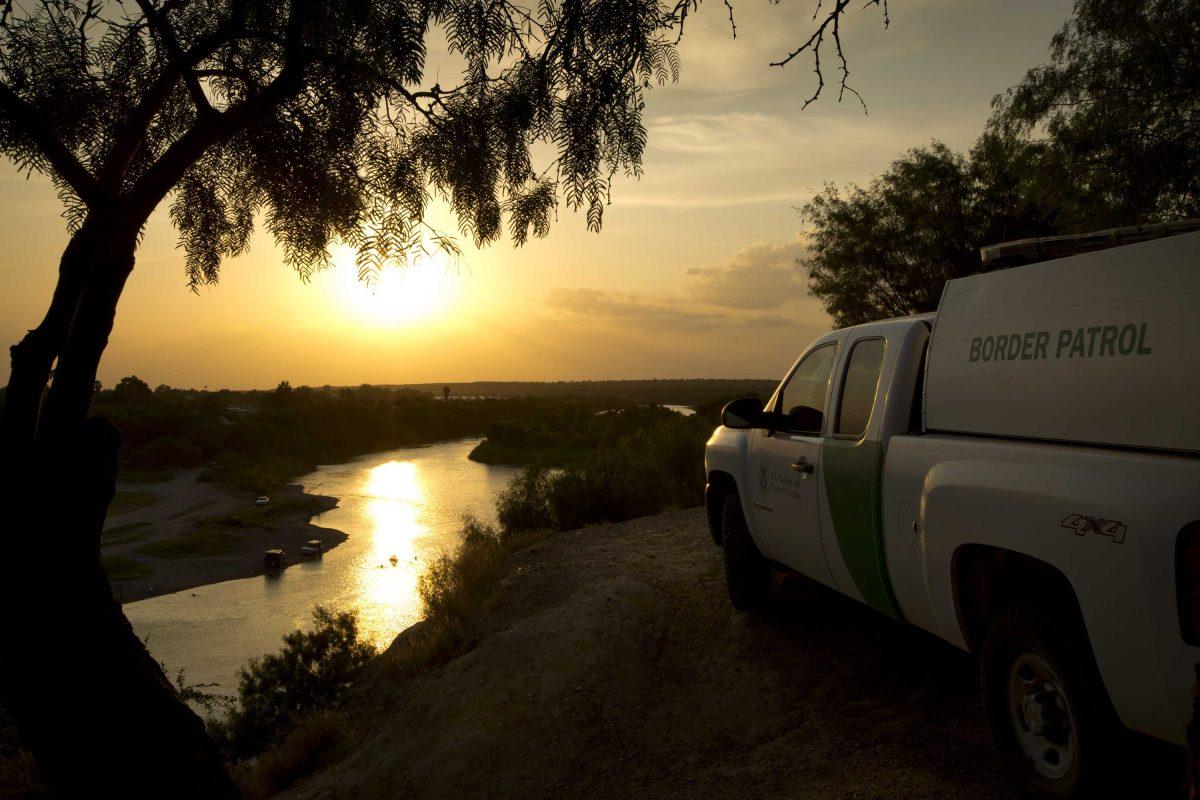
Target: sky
<point>694,274</point>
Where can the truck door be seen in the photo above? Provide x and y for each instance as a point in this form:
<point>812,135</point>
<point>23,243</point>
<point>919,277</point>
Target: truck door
<point>785,468</point>
<point>852,469</point>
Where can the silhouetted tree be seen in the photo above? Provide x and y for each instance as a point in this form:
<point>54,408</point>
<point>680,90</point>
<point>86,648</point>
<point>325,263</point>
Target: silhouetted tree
<point>316,118</point>
<point>888,249</point>
<point>130,389</point>
<point>1107,134</point>
<point>1120,100</point>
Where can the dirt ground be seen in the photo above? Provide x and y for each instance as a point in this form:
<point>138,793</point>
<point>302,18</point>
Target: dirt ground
<point>184,503</point>
<point>610,664</point>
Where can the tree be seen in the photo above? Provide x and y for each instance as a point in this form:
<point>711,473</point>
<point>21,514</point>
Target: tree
<point>315,117</point>
<point>1107,134</point>
<point>888,249</point>
<point>1120,100</point>
<point>131,389</point>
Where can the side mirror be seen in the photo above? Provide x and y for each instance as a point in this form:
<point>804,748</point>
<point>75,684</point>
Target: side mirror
<point>744,414</point>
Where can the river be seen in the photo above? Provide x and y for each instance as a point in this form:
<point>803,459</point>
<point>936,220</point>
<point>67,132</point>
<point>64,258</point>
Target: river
<point>406,503</point>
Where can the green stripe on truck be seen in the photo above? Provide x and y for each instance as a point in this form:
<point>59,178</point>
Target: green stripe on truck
<point>852,471</point>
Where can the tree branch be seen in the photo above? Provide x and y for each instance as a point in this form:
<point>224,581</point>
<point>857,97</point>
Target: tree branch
<point>28,120</point>
<point>218,127</point>
<point>175,56</point>
<point>129,137</point>
<point>831,24</point>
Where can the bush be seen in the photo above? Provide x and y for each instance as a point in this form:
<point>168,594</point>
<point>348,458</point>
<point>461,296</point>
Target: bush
<point>306,748</point>
<point>646,471</point>
<point>19,777</point>
<point>453,586</point>
<point>524,505</point>
<point>310,674</point>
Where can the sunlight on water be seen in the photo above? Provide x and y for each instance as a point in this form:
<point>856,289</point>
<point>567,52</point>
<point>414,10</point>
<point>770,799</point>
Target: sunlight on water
<point>405,503</point>
<point>388,589</point>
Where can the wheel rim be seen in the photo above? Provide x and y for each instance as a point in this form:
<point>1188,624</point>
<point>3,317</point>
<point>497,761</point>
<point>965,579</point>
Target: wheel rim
<point>1041,716</point>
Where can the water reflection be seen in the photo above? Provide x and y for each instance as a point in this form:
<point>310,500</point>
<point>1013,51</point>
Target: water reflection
<point>405,503</point>
<point>388,573</point>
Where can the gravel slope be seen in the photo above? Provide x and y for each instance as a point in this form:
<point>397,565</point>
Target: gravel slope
<point>611,665</point>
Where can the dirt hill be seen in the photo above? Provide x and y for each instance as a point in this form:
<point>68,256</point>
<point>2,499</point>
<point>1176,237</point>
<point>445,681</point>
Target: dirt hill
<point>611,665</point>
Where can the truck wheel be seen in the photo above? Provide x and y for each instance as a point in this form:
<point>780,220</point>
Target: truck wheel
<point>1048,711</point>
<point>747,573</point>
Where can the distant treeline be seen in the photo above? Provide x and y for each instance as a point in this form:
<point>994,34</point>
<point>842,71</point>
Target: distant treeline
<point>256,440</point>
<point>675,391</point>
<point>566,434</point>
<point>636,462</point>
<point>259,439</point>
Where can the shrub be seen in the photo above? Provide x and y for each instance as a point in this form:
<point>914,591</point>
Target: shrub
<point>307,747</point>
<point>310,674</point>
<point>454,585</point>
<point>648,470</point>
<point>19,777</point>
<point>524,505</point>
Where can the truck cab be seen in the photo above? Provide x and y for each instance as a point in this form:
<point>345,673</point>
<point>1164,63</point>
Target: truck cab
<point>1017,474</point>
<point>833,414</point>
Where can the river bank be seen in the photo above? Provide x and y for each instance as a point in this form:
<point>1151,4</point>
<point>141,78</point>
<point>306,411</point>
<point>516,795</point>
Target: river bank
<point>180,534</point>
<point>609,663</point>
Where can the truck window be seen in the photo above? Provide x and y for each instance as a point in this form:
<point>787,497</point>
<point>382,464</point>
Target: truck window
<point>858,389</point>
<point>802,400</point>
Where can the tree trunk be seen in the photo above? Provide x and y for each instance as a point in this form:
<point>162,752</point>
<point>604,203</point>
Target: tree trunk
<point>92,705</point>
<point>34,355</point>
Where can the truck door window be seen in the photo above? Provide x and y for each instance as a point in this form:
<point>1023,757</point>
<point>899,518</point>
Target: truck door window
<point>858,389</point>
<point>802,400</point>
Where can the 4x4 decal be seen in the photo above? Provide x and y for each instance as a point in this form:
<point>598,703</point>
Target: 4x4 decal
<point>1082,524</point>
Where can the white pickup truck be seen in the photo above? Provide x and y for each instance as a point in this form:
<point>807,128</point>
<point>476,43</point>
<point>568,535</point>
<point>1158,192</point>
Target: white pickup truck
<point>1018,474</point>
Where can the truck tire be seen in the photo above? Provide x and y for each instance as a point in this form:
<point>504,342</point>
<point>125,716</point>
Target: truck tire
<point>1047,708</point>
<point>747,573</point>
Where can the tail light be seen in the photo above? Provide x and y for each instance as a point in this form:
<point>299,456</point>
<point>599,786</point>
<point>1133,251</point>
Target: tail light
<point>1187,582</point>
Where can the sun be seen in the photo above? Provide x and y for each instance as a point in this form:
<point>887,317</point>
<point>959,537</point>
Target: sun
<point>399,295</point>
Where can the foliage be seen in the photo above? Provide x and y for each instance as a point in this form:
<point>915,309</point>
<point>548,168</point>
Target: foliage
<point>305,748</point>
<point>452,585</point>
<point>1120,101</point>
<point>310,674</point>
<point>562,434</point>
<point>200,542</point>
<point>257,440</point>
<point>124,502</point>
<point>125,569</point>
<point>19,777</point>
<point>310,115</point>
<point>657,391</point>
<point>631,473</point>
<point>199,693</point>
<point>1107,134</point>
<point>887,250</point>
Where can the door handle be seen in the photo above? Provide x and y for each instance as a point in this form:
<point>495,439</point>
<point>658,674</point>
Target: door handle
<point>802,466</point>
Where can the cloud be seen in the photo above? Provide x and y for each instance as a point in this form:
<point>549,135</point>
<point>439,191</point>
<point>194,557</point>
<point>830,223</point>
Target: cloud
<point>719,133</point>
<point>760,277</point>
<point>663,315</point>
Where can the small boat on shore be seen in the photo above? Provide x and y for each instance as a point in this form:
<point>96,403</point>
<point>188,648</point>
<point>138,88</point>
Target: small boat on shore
<point>312,549</point>
<point>273,558</point>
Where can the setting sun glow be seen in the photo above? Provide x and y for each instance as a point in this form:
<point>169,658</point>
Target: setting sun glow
<point>399,295</point>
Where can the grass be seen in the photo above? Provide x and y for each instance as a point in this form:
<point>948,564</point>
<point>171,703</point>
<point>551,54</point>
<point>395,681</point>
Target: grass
<point>146,475</point>
<point>125,534</point>
<point>123,502</point>
<point>203,540</point>
<point>126,569</point>
<point>306,748</point>
<point>453,589</point>
<point>19,777</point>
<point>255,516</point>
